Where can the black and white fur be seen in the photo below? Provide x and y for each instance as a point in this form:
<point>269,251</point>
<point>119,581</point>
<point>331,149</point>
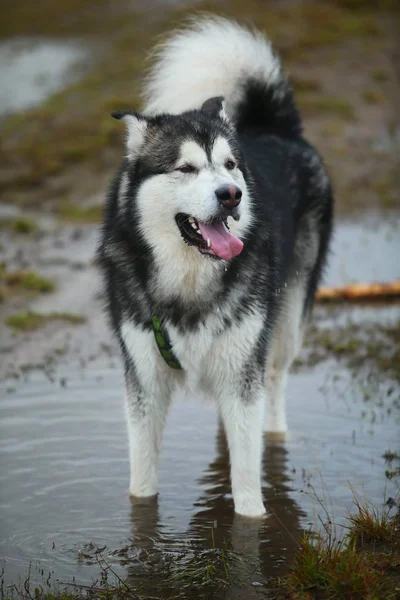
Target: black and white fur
<point>235,325</point>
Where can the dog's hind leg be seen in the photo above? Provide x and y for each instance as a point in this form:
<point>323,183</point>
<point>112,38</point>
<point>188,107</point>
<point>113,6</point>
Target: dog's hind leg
<point>284,348</point>
<point>311,245</point>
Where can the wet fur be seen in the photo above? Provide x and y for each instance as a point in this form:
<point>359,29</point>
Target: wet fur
<point>236,325</point>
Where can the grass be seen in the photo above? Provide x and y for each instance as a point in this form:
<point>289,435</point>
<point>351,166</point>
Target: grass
<point>20,282</point>
<point>369,527</point>
<point>373,96</point>
<point>385,189</point>
<point>362,565</point>
<point>207,570</point>
<point>303,84</point>
<point>380,75</point>
<point>389,455</point>
<point>22,225</point>
<point>327,23</point>
<point>30,321</point>
<point>325,105</point>
<point>391,471</point>
<point>80,214</point>
<point>357,347</point>
<point>29,280</point>
<point>332,128</point>
<point>61,147</point>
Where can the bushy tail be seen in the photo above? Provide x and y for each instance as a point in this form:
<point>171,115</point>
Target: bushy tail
<point>218,57</point>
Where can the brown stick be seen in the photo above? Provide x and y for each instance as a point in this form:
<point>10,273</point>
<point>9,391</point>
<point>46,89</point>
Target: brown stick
<point>359,291</point>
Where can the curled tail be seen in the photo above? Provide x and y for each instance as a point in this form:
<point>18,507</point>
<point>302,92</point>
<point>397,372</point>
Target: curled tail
<point>218,57</point>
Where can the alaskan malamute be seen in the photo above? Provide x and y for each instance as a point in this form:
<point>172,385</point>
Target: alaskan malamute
<point>216,231</point>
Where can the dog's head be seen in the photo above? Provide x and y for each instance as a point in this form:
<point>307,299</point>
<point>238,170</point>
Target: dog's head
<point>186,179</point>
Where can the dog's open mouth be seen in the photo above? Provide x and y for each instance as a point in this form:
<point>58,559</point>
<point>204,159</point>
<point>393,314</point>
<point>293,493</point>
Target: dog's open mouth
<point>213,239</point>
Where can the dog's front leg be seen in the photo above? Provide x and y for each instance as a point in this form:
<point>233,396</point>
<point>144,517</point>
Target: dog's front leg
<point>243,421</point>
<point>146,411</point>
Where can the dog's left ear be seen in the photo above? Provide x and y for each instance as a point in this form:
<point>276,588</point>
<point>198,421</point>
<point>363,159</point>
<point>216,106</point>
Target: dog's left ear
<point>136,128</point>
<point>215,107</point>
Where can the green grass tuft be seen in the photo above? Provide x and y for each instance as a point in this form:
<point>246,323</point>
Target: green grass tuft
<point>380,75</point>
<point>30,321</point>
<point>80,214</point>
<point>23,225</point>
<point>368,526</point>
<point>209,569</point>
<point>373,97</point>
<point>19,282</point>
<point>29,280</point>
<point>363,564</point>
<point>372,347</point>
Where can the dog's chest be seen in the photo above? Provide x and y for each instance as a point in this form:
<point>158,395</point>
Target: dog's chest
<point>193,347</point>
<point>222,343</point>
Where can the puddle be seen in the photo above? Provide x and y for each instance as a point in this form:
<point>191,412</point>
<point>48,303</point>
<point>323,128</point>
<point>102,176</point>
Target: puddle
<point>64,477</point>
<point>365,251</point>
<point>31,70</point>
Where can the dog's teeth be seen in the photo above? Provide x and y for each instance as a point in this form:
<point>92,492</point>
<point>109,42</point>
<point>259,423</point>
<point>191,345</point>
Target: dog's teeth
<point>191,220</point>
<point>194,225</point>
<point>208,243</point>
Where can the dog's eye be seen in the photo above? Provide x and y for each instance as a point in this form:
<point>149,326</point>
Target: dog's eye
<point>186,168</point>
<point>230,164</point>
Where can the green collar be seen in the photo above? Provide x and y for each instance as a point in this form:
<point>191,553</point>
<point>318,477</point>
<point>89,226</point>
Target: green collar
<point>164,344</point>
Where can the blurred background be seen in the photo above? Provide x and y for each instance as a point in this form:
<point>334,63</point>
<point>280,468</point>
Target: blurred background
<point>65,65</point>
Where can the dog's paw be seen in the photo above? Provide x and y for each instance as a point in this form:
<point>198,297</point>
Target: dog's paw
<point>276,436</point>
<point>275,425</point>
<point>249,506</point>
<point>142,489</point>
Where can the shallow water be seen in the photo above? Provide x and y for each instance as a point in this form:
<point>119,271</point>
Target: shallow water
<point>64,476</point>
<point>365,250</point>
<point>31,70</point>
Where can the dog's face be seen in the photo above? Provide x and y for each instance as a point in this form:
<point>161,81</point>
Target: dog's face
<point>189,180</point>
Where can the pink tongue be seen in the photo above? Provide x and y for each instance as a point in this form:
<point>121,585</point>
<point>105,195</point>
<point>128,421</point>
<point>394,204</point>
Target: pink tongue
<point>223,244</point>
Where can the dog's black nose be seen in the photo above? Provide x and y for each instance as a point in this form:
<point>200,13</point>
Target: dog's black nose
<point>229,195</point>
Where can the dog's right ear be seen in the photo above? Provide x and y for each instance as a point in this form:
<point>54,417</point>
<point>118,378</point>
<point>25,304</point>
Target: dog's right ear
<point>215,107</point>
<point>136,128</point>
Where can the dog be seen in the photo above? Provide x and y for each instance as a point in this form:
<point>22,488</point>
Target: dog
<point>215,235</point>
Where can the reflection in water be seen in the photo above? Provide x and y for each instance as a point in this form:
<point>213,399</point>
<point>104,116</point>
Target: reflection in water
<point>64,471</point>
<point>267,545</point>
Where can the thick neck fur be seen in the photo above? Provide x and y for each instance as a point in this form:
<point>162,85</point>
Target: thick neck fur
<point>185,274</point>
